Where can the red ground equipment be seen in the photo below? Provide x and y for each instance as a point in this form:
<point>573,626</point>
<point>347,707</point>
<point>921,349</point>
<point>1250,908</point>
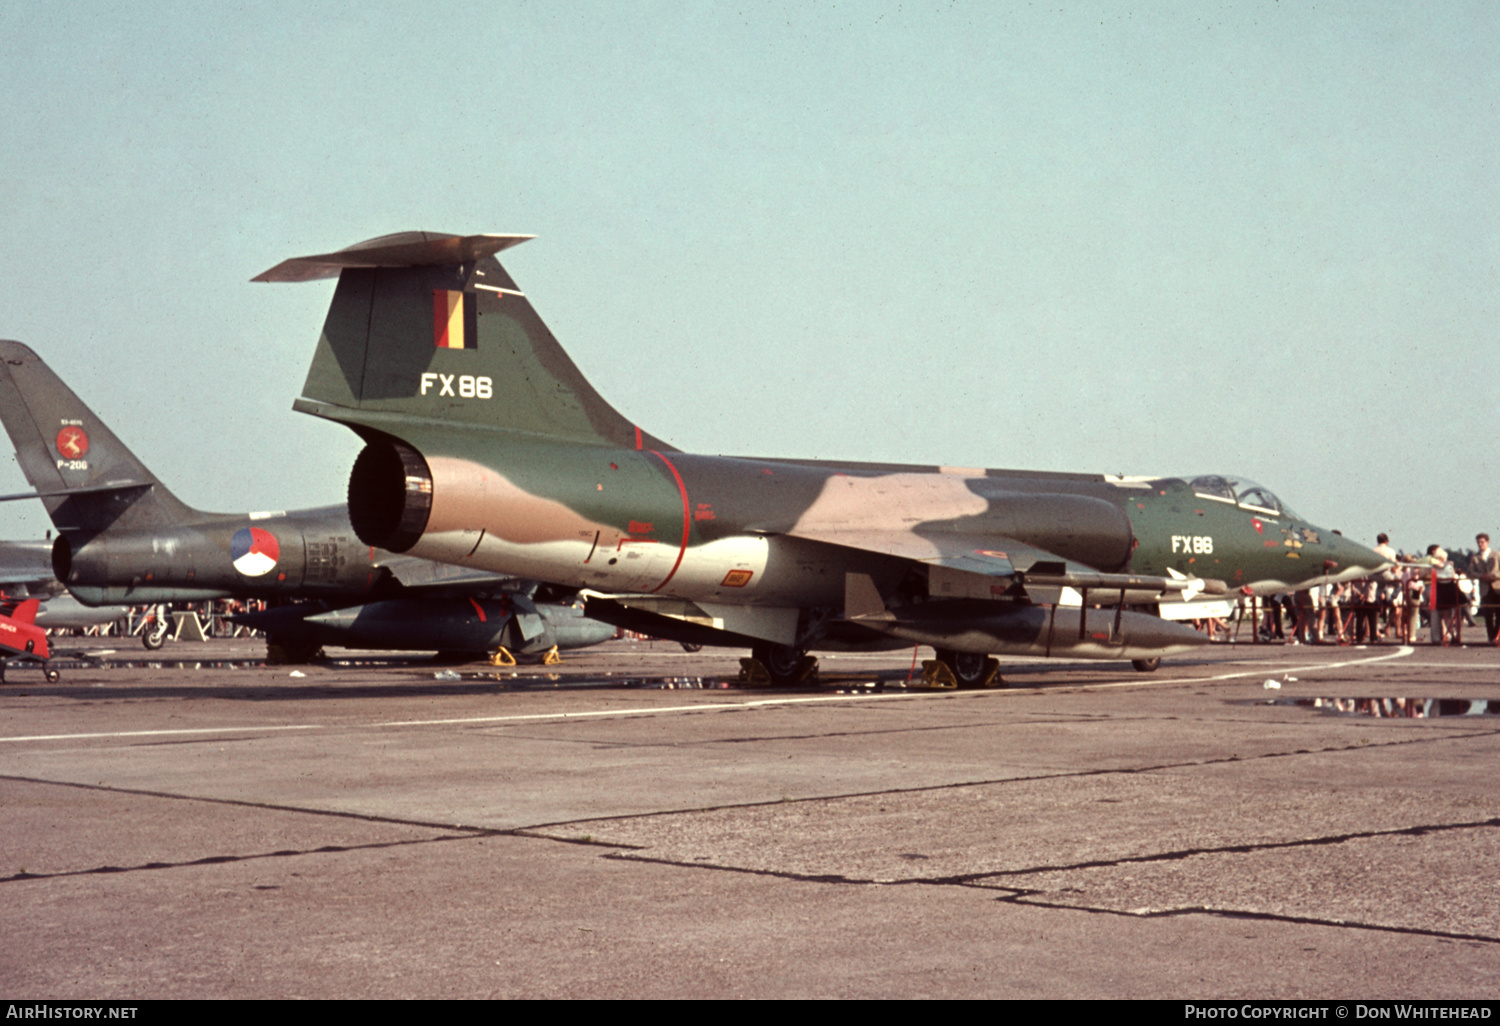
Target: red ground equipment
<point>21,640</point>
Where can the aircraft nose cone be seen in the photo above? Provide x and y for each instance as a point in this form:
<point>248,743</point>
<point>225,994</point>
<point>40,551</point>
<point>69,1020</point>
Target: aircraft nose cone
<point>1353,554</point>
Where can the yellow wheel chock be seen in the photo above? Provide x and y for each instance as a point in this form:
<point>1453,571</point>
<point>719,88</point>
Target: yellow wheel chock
<point>753,673</point>
<point>938,676</point>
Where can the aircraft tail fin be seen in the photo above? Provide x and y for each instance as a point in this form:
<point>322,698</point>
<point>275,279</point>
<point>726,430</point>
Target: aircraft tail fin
<point>85,476</point>
<point>426,327</point>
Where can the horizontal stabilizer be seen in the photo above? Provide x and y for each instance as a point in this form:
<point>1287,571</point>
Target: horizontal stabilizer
<point>108,486</point>
<point>403,249</point>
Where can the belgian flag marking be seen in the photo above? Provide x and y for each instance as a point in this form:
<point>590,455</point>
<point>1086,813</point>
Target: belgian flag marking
<point>454,320</point>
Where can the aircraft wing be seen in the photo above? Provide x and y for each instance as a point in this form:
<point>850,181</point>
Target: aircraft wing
<point>27,564</point>
<point>417,574</point>
<point>988,565</point>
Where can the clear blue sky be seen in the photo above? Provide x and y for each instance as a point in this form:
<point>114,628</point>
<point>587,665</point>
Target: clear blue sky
<point>1258,238</point>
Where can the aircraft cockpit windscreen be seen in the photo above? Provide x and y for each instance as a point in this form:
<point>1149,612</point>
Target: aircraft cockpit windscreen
<point>1239,490</point>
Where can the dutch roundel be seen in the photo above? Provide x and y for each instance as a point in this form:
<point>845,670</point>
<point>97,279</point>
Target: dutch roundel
<point>254,551</point>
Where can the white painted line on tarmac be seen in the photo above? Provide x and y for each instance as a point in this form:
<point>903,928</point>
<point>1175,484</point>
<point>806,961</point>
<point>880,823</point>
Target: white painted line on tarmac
<point>722,706</point>
<point>1404,650</point>
<point>159,733</point>
<point>999,692</point>
<point>1437,666</point>
<point>653,710</point>
<point>585,714</point>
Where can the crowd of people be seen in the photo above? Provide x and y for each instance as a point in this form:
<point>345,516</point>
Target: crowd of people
<point>1441,592</point>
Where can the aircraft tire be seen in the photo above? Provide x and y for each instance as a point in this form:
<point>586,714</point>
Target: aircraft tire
<point>290,651</point>
<point>1147,665</point>
<point>786,665</point>
<point>154,638</point>
<point>971,669</point>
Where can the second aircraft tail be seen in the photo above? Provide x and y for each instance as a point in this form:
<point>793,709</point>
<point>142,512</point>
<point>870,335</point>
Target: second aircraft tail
<point>85,476</point>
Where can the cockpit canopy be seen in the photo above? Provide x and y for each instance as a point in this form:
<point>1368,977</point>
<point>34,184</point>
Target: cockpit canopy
<point>1239,490</point>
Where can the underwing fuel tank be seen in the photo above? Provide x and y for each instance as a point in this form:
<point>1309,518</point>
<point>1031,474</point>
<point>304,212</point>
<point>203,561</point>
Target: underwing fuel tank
<point>435,624</point>
<point>65,612</point>
<point>1044,631</point>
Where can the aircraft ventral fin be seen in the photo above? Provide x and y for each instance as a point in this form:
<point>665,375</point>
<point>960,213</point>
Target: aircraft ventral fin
<point>423,575</point>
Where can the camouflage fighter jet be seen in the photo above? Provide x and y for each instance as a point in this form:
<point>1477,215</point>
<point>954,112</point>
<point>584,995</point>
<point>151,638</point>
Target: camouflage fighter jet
<point>123,537</point>
<point>486,448</point>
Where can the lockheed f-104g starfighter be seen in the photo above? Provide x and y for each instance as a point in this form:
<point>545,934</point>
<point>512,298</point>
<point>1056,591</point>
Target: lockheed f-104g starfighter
<point>486,447</point>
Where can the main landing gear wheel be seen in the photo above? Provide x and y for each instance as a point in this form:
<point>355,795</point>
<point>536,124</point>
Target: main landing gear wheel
<point>293,651</point>
<point>967,670</point>
<point>777,666</point>
<point>1147,665</point>
<point>547,658</point>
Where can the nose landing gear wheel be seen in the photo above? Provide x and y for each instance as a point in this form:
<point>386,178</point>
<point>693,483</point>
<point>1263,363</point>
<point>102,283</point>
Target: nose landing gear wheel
<point>155,636</point>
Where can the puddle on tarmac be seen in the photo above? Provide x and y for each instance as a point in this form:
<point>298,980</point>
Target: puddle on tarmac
<point>1395,708</point>
<point>677,683</point>
<point>509,678</point>
<point>68,663</point>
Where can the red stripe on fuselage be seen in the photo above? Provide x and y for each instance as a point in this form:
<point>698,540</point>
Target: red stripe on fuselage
<point>687,520</point>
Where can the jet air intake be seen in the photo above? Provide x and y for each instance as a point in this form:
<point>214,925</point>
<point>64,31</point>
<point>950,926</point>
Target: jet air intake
<point>1082,528</point>
<point>390,495</point>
